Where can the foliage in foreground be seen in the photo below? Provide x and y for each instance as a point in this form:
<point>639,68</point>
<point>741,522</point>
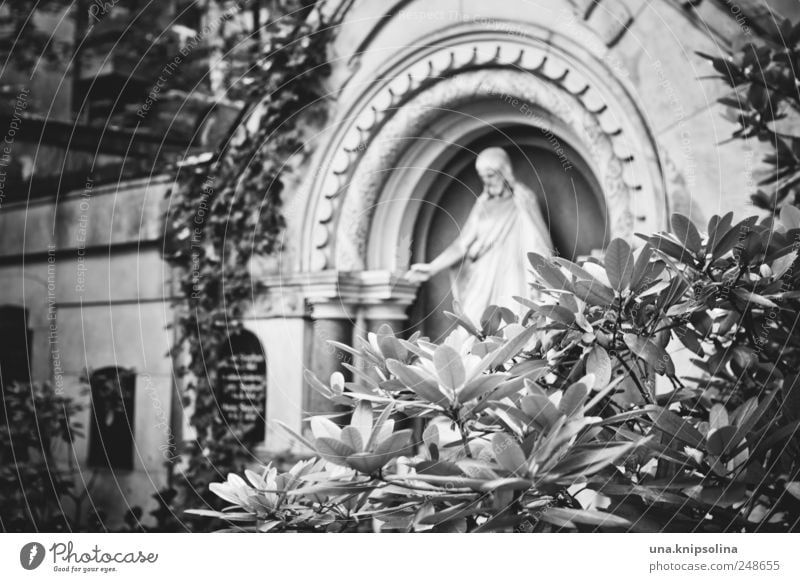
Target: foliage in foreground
<point>35,422</point>
<point>765,104</point>
<point>556,421</point>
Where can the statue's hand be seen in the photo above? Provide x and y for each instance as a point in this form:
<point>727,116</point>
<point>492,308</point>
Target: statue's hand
<point>419,273</point>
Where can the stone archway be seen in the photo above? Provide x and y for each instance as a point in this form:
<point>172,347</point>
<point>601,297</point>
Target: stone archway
<point>405,127</point>
<point>362,196</point>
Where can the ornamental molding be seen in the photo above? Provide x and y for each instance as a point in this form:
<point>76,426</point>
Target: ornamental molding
<point>616,142</point>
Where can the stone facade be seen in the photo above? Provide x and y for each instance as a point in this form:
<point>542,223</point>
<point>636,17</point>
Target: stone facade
<point>616,82</point>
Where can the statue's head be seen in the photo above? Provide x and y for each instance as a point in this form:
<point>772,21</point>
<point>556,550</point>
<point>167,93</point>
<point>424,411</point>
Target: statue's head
<point>494,168</point>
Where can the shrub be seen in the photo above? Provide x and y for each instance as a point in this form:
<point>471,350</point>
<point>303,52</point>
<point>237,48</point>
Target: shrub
<point>765,105</point>
<point>574,416</point>
<point>34,481</point>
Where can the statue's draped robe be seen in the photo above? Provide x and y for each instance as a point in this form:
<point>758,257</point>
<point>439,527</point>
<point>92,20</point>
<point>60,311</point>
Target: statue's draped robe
<point>497,237</point>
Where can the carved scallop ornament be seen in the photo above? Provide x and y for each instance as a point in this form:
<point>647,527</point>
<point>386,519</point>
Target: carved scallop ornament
<point>619,149</point>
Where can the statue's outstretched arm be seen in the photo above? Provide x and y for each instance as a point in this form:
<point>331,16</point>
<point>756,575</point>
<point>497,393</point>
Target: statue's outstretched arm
<point>453,254</point>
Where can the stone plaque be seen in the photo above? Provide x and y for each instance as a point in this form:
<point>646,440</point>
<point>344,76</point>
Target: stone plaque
<point>242,387</point>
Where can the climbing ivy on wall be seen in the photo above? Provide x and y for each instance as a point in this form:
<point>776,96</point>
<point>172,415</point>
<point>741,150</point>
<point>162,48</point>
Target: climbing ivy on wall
<point>225,210</point>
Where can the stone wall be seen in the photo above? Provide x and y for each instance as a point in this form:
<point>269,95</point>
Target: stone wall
<point>89,271</point>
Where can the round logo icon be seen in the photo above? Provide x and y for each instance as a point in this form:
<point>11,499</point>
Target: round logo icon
<point>31,555</point>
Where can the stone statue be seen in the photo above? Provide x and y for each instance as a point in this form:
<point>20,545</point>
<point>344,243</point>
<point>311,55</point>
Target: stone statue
<point>488,261</point>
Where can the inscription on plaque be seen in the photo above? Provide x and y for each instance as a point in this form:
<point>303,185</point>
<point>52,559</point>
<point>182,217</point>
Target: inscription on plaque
<point>242,387</point>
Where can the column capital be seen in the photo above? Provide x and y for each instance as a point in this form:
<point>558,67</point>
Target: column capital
<point>341,294</point>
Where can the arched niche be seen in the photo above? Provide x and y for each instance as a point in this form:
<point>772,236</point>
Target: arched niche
<point>112,417</point>
<point>241,388</point>
<point>446,153</point>
<point>567,192</point>
<point>15,345</point>
<point>443,97</point>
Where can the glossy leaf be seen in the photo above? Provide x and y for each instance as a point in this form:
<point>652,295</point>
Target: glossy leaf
<point>674,426</point>
<point>686,232</point>
<point>508,453</point>
<point>619,264</point>
<point>649,351</point>
<point>449,367</point>
<point>599,364</point>
<point>418,383</point>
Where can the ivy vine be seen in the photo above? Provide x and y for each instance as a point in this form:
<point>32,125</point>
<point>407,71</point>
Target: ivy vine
<point>227,209</point>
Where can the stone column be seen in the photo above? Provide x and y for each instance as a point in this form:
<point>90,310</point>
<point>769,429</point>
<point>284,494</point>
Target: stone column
<point>385,299</point>
<point>332,299</point>
<point>330,321</point>
<point>299,316</point>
